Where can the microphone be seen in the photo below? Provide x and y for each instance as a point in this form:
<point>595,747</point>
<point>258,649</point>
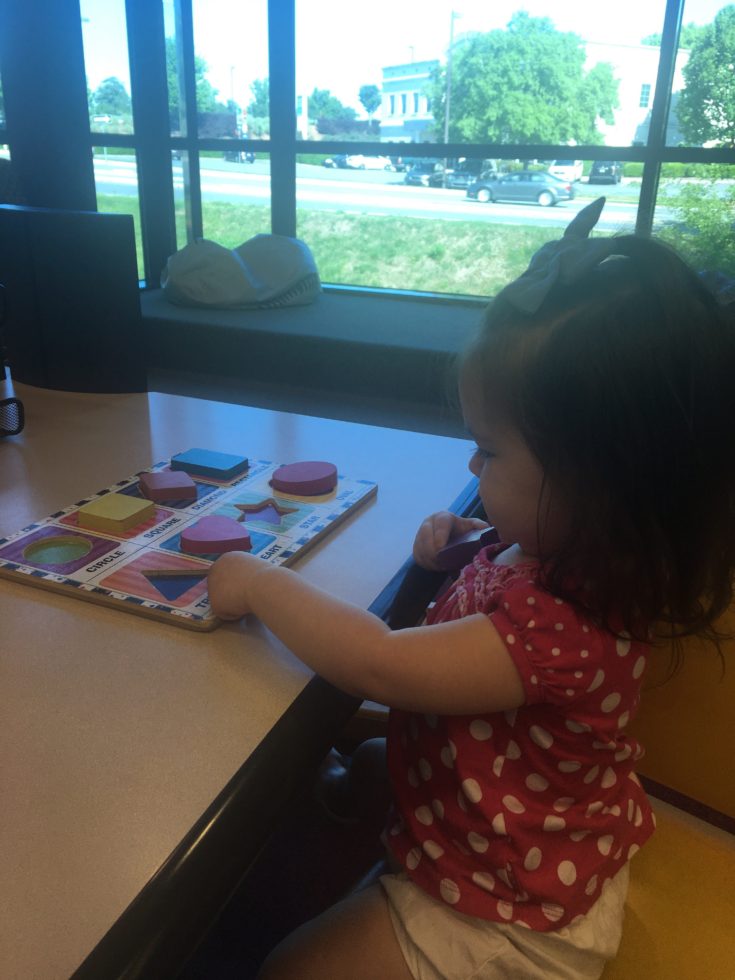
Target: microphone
<point>12,417</point>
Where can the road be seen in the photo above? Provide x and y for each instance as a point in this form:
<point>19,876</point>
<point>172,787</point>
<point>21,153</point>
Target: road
<point>366,192</point>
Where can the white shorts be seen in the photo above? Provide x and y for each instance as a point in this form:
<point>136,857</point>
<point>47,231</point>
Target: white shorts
<point>441,944</point>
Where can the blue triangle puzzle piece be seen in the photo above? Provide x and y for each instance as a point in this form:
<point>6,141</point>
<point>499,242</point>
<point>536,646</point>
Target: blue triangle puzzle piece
<point>173,587</point>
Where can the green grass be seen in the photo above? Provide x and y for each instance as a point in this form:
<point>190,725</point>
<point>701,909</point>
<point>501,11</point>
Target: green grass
<point>466,257</point>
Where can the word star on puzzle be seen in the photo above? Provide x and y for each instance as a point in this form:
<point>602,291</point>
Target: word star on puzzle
<point>146,544</point>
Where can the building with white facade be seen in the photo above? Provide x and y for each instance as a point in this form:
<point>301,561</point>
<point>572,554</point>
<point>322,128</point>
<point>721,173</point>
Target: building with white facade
<point>635,67</point>
<point>405,112</point>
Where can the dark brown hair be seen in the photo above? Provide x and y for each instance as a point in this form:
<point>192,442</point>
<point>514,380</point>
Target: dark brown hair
<point>623,386</point>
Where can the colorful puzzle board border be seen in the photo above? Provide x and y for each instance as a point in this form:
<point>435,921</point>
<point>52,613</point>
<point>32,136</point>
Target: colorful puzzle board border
<point>143,570</point>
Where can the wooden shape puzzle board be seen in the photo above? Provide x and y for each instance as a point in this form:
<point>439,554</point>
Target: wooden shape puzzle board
<point>143,569</point>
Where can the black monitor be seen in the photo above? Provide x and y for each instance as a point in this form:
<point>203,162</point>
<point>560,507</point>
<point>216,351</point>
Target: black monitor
<point>73,319</point>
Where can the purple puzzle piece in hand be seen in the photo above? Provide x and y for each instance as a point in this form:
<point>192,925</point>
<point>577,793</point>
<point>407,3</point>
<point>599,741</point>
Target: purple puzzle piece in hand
<point>462,549</point>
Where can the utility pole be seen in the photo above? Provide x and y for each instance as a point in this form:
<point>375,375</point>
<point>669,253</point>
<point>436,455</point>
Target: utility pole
<point>448,92</point>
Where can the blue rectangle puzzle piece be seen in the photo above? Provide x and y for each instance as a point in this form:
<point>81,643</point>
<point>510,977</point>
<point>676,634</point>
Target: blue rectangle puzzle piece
<point>205,462</point>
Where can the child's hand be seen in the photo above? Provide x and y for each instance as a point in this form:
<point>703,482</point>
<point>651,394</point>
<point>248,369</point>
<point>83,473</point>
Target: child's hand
<point>436,531</point>
<point>229,582</point>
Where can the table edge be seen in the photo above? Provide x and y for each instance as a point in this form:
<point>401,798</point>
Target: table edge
<point>160,929</point>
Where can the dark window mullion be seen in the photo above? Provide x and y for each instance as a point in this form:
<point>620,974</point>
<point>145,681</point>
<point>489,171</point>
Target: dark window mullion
<point>44,89</point>
<point>147,47</point>
<point>282,96</point>
<point>188,107</point>
<point>659,116</point>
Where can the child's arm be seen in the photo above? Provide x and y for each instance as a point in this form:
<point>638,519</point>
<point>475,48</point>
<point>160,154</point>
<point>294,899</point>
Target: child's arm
<point>435,533</point>
<point>450,668</point>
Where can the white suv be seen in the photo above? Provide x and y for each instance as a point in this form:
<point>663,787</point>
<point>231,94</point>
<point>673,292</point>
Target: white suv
<point>570,170</point>
<point>358,161</point>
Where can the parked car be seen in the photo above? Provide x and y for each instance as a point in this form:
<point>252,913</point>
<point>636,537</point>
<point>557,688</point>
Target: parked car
<point>359,161</point>
<point>459,178</point>
<point>606,172</point>
<point>462,177</point>
<point>570,170</point>
<point>523,185</point>
<point>425,173</point>
<point>239,156</point>
<point>338,161</point>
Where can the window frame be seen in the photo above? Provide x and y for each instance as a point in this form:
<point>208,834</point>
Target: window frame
<point>152,143</point>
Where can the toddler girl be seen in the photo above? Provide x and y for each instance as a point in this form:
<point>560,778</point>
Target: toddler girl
<point>600,395</point>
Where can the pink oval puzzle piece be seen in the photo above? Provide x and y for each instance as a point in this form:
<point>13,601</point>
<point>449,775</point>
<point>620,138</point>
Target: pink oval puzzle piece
<point>214,535</point>
<point>308,479</point>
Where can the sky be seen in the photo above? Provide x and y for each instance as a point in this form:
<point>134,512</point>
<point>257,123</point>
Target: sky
<point>344,44</point>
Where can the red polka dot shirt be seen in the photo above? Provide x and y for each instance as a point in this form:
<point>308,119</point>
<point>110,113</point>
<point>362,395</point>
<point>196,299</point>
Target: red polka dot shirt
<point>521,816</point>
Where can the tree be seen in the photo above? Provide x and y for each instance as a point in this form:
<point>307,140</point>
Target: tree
<point>206,94</point>
<point>689,34</point>
<point>706,107</point>
<point>324,105</point>
<point>110,98</point>
<point>703,232</point>
<point>370,98</point>
<point>332,118</point>
<point>259,106</point>
<point>525,84</point>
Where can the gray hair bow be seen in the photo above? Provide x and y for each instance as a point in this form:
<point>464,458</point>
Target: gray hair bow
<point>565,260</point>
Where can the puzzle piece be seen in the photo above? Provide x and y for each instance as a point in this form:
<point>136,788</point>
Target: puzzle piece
<point>214,535</point>
<point>461,550</point>
<point>172,583</point>
<point>269,510</point>
<point>307,479</point>
<point>114,513</point>
<point>204,462</point>
<point>167,485</point>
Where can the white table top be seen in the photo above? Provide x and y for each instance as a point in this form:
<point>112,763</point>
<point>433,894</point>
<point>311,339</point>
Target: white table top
<point>118,731</point>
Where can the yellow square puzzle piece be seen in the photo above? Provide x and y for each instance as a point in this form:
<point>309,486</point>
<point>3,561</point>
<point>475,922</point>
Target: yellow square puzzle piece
<point>115,512</point>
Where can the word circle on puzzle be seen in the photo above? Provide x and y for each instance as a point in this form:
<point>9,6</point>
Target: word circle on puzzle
<point>147,543</point>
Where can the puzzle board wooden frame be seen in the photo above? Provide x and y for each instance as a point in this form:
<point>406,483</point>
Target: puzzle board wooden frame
<point>144,571</point>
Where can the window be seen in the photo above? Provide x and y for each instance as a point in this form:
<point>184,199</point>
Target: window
<point>104,33</point>
<point>257,97</point>
<point>695,204</point>
<point>110,106</point>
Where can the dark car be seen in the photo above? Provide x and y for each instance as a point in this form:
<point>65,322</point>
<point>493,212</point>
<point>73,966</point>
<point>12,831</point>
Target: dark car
<point>606,172</point>
<point>523,185</point>
<point>463,178</point>
<point>460,178</point>
<point>239,156</point>
<point>425,174</point>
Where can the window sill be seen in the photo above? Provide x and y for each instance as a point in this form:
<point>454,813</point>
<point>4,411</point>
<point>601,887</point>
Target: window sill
<point>364,344</point>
